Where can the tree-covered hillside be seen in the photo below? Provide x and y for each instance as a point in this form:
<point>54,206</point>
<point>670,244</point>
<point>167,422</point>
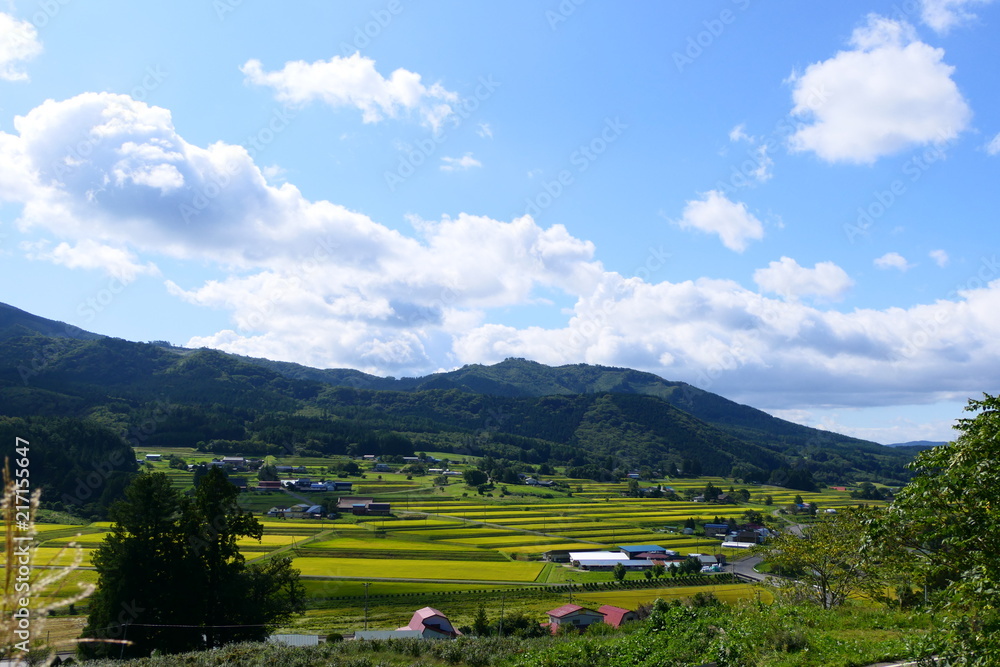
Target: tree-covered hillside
<point>597,420</point>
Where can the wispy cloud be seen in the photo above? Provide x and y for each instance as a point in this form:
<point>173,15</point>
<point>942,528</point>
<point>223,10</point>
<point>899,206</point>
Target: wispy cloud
<point>18,44</point>
<point>893,260</point>
<point>353,81</point>
<point>459,163</point>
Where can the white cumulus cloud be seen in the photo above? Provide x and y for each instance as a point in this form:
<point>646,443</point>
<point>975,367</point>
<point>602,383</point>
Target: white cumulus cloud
<point>353,81</point>
<point>889,93</point>
<point>786,278</point>
<point>110,183</point>
<point>716,214</point>
<point>18,44</point>
<point>88,254</point>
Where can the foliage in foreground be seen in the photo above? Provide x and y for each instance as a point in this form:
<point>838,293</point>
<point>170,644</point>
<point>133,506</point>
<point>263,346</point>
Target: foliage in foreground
<point>747,635</point>
<point>947,521</point>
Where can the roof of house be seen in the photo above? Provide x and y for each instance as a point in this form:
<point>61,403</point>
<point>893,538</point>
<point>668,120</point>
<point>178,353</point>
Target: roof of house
<point>612,563</point>
<point>348,502</point>
<point>388,634</point>
<point>613,616</point>
<point>653,555</point>
<point>567,610</point>
<point>639,548</point>
<point>586,556</point>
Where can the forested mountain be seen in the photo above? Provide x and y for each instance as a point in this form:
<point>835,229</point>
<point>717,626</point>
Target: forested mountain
<point>600,421</point>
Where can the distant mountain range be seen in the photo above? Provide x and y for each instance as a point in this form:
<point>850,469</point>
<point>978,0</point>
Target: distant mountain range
<point>919,444</point>
<point>600,420</point>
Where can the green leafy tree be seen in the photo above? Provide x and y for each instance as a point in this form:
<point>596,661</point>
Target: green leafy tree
<point>475,477</point>
<point>170,575</point>
<point>947,519</point>
<point>481,623</point>
<point>619,572</point>
<point>830,560</point>
<point>144,549</point>
<point>658,570</point>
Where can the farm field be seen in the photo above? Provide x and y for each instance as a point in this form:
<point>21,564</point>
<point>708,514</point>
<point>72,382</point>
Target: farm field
<point>438,542</point>
<point>417,569</point>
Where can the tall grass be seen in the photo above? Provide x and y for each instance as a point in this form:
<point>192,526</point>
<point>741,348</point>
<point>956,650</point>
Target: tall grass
<point>30,592</point>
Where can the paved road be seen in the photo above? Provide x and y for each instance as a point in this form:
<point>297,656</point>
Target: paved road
<point>745,568</point>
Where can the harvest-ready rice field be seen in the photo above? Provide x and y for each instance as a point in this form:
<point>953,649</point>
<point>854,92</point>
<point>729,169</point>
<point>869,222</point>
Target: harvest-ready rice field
<point>455,549</point>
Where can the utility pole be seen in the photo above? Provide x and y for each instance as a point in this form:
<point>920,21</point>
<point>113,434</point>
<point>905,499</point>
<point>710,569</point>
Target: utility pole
<point>367,584</point>
<point>503,599</point>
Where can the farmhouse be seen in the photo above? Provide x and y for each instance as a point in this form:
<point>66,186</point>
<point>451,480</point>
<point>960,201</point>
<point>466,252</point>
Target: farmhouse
<point>362,506</point>
<point>615,616</point>
<point>716,529</point>
<point>573,615</point>
<point>268,485</point>
<point>236,462</point>
<point>154,457</point>
<point>431,624</point>
<point>328,486</point>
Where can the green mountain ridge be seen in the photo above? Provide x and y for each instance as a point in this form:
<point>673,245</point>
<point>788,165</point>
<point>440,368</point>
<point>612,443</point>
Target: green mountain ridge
<point>599,420</point>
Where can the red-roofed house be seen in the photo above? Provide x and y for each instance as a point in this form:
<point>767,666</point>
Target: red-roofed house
<point>431,624</point>
<point>574,615</point>
<point>615,616</point>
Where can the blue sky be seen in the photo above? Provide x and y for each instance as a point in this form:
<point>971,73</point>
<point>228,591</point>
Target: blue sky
<point>789,204</point>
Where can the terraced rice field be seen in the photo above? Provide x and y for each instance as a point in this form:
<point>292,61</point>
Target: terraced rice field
<point>418,569</point>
